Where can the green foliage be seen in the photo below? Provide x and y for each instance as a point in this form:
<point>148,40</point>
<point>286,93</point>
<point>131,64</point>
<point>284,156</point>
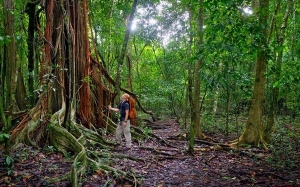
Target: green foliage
<point>24,155</point>
<point>5,40</point>
<point>163,48</point>
<point>285,138</point>
<point>3,137</point>
<point>76,165</point>
<point>50,149</point>
<point>146,131</point>
<point>87,79</point>
<point>9,165</point>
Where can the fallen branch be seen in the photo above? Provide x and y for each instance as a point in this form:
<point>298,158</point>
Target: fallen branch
<point>157,151</point>
<point>223,146</point>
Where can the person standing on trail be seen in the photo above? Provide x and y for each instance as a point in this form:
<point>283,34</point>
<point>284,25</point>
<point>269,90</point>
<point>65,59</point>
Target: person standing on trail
<point>124,124</point>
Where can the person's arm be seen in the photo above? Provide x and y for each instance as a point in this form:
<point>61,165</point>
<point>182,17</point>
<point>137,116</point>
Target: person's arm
<point>113,109</point>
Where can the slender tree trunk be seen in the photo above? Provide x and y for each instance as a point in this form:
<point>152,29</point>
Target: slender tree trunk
<point>216,97</point>
<point>196,93</point>
<point>45,67</point>
<point>253,133</point>
<point>2,73</point>
<point>124,47</point>
<point>275,90</point>
<point>110,36</point>
<point>188,96</point>
<point>10,54</point>
<point>84,64</point>
<point>228,100</point>
<point>21,99</point>
<point>129,67</point>
<point>11,67</point>
<point>190,109</point>
<point>30,10</point>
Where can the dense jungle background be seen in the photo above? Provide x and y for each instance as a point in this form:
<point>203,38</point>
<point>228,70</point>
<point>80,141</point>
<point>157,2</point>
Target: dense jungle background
<point>215,84</point>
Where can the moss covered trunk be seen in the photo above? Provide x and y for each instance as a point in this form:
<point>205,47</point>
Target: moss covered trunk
<point>197,81</point>
<point>253,133</point>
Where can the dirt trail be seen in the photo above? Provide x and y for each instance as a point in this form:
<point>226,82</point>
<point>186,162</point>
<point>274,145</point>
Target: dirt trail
<point>157,164</point>
<point>174,166</point>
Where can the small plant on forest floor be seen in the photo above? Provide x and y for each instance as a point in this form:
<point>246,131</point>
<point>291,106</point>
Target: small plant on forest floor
<point>25,154</point>
<point>50,149</point>
<point>9,165</point>
<point>282,149</point>
<point>3,137</point>
<point>146,131</point>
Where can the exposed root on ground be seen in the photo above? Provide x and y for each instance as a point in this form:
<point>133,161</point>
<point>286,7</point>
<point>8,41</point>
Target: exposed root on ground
<point>76,140</point>
<point>241,141</point>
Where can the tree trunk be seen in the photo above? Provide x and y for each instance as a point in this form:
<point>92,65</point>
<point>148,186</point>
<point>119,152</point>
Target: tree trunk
<point>253,133</point>
<point>275,88</point>
<point>10,55</point>
<point>21,99</point>
<point>110,34</point>
<point>10,69</point>
<point>216,97</point>
<point>129,67</point>
<point>83,70</point>
<point>124,48</point>
<point>188,97</point>
<point>196,93</point>
<point>30,10</point>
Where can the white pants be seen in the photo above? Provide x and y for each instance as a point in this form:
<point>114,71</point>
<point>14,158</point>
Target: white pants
<point>126,130</point>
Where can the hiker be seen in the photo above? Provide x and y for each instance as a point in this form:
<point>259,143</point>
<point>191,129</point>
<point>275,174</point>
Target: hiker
<point>124,124</point>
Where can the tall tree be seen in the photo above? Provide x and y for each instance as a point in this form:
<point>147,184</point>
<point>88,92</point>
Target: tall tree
<point>64,102</point>
<point>195,116</point>
<point>124,47</point>
<point>31,11</point>
<point>253,133</point>
<point>9,54</point>
<point>197,81</point>
<point>189,86</point>
<point>280,37</point>
<point>69,72</point>
<point>10,70</point>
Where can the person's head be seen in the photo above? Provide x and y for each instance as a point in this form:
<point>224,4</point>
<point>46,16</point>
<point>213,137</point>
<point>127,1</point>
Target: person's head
<point>125,97</point>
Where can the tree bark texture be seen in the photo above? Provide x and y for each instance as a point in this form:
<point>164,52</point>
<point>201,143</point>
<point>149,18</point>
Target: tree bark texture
<point>189,89</point>
<point>10,55</point>
<point>196,93</point>
<point>253,133</point>
<point>30,10</point>
<point>84,66</point>
<point>65,110</point>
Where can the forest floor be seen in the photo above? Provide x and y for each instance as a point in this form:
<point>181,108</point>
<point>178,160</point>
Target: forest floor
<point>163,164</point>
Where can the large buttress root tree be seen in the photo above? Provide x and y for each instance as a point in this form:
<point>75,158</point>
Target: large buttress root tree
<point>68,106</point>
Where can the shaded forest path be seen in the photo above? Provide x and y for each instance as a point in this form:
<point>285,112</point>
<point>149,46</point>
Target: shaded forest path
<point>173,166</point>
<point>157,163</point>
